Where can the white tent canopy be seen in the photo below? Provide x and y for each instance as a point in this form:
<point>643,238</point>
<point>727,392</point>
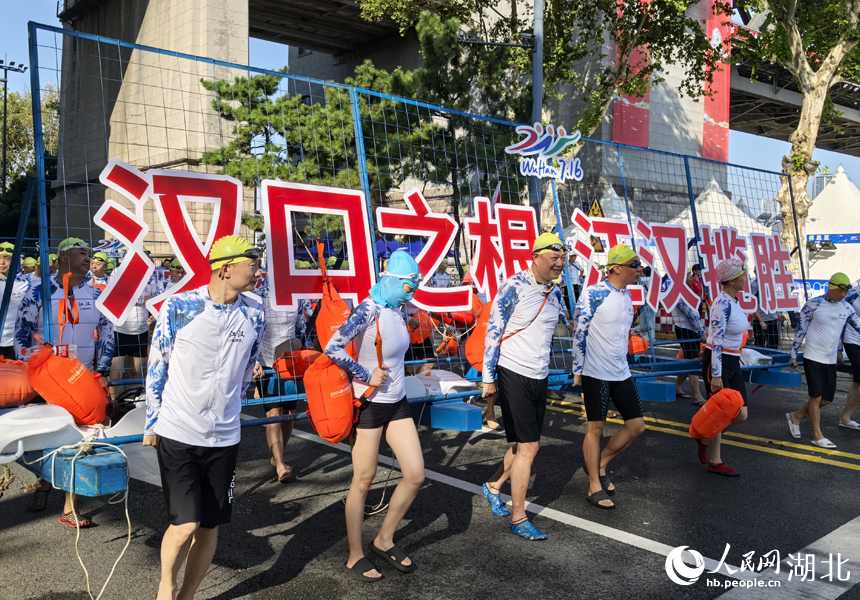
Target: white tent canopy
<point>714,208</point>
<point>834,216</point>
<point>614,207</point>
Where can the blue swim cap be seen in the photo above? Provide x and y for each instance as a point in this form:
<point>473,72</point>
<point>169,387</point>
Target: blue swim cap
<point>401,269</point>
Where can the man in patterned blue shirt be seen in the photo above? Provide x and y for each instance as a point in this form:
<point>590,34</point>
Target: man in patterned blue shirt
<point>522,320</point>
<point>202,359</point>
<point>91,337</point>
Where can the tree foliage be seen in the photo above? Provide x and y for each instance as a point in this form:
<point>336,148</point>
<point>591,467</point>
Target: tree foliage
<point>20,148</point>
<point>575,31</point>
<point>817,42</point>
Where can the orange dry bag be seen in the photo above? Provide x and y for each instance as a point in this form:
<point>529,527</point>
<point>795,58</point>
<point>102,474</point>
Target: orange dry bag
<point>333,310</point>
<point>637,345</point>
<point>424,329</point>
<point>476,341</point>
<point>66,382</point>
<point>718,412</point>
<point>332,406</point>
<point>15,388</point>
<point>293,365</point>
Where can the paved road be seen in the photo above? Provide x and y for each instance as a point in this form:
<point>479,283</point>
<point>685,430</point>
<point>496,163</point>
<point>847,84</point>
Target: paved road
<point>288,541</point>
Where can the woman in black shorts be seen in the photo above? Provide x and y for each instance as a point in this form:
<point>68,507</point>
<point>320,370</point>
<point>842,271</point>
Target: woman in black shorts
<point>381,316</point>
<point>721,358</point>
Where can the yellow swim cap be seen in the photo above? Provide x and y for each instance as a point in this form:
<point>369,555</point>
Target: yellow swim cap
<point>231,249</point>
<point>72,243</point>
<point>101,257</point>
<point>7,249</point>
<point>28,262</point>
<point>620,254</point>
<point>548,242</point>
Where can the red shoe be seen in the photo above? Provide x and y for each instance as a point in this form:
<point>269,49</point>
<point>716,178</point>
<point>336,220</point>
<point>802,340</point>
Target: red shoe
<point>69,519</point>
<point>703,452</point>
<point>722,469</point>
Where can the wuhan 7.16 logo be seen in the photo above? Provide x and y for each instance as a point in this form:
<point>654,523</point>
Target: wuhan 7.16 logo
<point>539,146</point>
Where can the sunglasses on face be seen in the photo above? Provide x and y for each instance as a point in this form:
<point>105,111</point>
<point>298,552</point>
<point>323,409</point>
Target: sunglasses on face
<point>634,265</point>
<point>553,247</point>
<point>843,287</point>
<point>253,254</point>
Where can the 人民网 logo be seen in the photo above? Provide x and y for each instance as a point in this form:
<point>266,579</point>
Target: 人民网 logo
<point>681,573</point>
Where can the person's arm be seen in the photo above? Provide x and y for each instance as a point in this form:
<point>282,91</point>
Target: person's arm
<point>586,307</point>
<point>355,325</point>
<point>251,369</point>
<point>692,316</point>
<point>500,313</point>
<point>29,314</point>
<point>160,350</point>
<point>803,322</point>
<point>853,321</point>
<point>720,312</point>
<point>105,344</point>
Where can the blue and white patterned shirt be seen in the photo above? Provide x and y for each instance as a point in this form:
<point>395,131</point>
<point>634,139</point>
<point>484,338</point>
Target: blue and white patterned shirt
<point>602,321</point>
<point>515,311</point>
<point>728,325</point>
<point>850,336</point>
<point>92,324</point>
<point>200,363</point>
<point>822,322</point>
<point>687,318</point>
<point>361,327</point>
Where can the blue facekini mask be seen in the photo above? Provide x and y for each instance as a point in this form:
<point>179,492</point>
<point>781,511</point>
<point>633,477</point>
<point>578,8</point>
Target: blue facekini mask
<point>402,269</point>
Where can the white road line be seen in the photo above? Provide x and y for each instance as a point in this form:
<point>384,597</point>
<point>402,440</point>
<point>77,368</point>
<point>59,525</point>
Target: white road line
<point>842,543</point>
<point>549,513</point>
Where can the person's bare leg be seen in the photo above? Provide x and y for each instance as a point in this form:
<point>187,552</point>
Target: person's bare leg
<point>715,443</point>
<point>402,437</point>
<point>679,382</point>
<point>591,452</point>
<point>174,549</point>
<point>275,439</point>
<point>200,555</point>
<point>619,442</point>
<point>521,472</point>
<point>491,411</point>
<point>851,403</point>
<point>503,473</point>
<point>697,394</point>
<point>365,457</point>
<point>815,405</point>
<point>797,416</point>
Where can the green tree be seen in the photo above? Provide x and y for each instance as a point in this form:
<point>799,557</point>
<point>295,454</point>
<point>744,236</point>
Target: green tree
<point>576,31</point>
<point>817,42</point>
<point>20,148</point>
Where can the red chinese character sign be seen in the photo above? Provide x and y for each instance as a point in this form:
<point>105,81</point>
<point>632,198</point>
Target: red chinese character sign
<point>170,191</point>
<point>290,284</point>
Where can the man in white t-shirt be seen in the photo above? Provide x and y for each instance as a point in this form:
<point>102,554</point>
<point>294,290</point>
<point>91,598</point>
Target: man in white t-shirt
<point>822,322</point>
<point>19,284</point>
<point>602,322</point>
<point>203,357</point>
<point>132,338</point>
<point>283,333</point>
<point>523,317</point>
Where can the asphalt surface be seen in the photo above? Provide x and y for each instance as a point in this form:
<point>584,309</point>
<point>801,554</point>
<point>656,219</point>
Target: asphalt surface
<point>288,541</point>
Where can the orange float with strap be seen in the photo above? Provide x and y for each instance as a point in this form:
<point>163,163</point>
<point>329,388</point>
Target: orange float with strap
<point>637,345</point>
<point>293,365</point>
<point>15,386</point>
<point>719,412</point>
<point>424,329</point>
<point>332,406</point>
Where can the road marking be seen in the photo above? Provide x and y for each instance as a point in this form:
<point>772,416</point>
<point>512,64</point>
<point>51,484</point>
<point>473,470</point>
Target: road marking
<point>550,513</point>
<point>843,542</point>
<point>685,434</point>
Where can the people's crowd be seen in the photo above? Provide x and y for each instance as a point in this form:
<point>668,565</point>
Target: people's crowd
<point>208,347</point>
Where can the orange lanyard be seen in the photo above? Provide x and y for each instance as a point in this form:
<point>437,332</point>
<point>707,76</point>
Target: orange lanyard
<point>67,310</point>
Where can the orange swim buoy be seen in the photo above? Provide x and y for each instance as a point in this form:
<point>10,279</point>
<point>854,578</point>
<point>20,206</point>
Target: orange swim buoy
<point>15,387</point>
<point>637,345</point>
<point>66,382</point>
<point>718,412</point>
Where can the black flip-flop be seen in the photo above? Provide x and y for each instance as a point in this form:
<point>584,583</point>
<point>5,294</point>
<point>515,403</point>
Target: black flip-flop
<point>604,481</point>
<point>394,556</point>
<point>682,395</point>
<point>596,497</point>
<point>359,569</point>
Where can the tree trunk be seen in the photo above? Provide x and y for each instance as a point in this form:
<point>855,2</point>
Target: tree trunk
<point>799,166</point>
